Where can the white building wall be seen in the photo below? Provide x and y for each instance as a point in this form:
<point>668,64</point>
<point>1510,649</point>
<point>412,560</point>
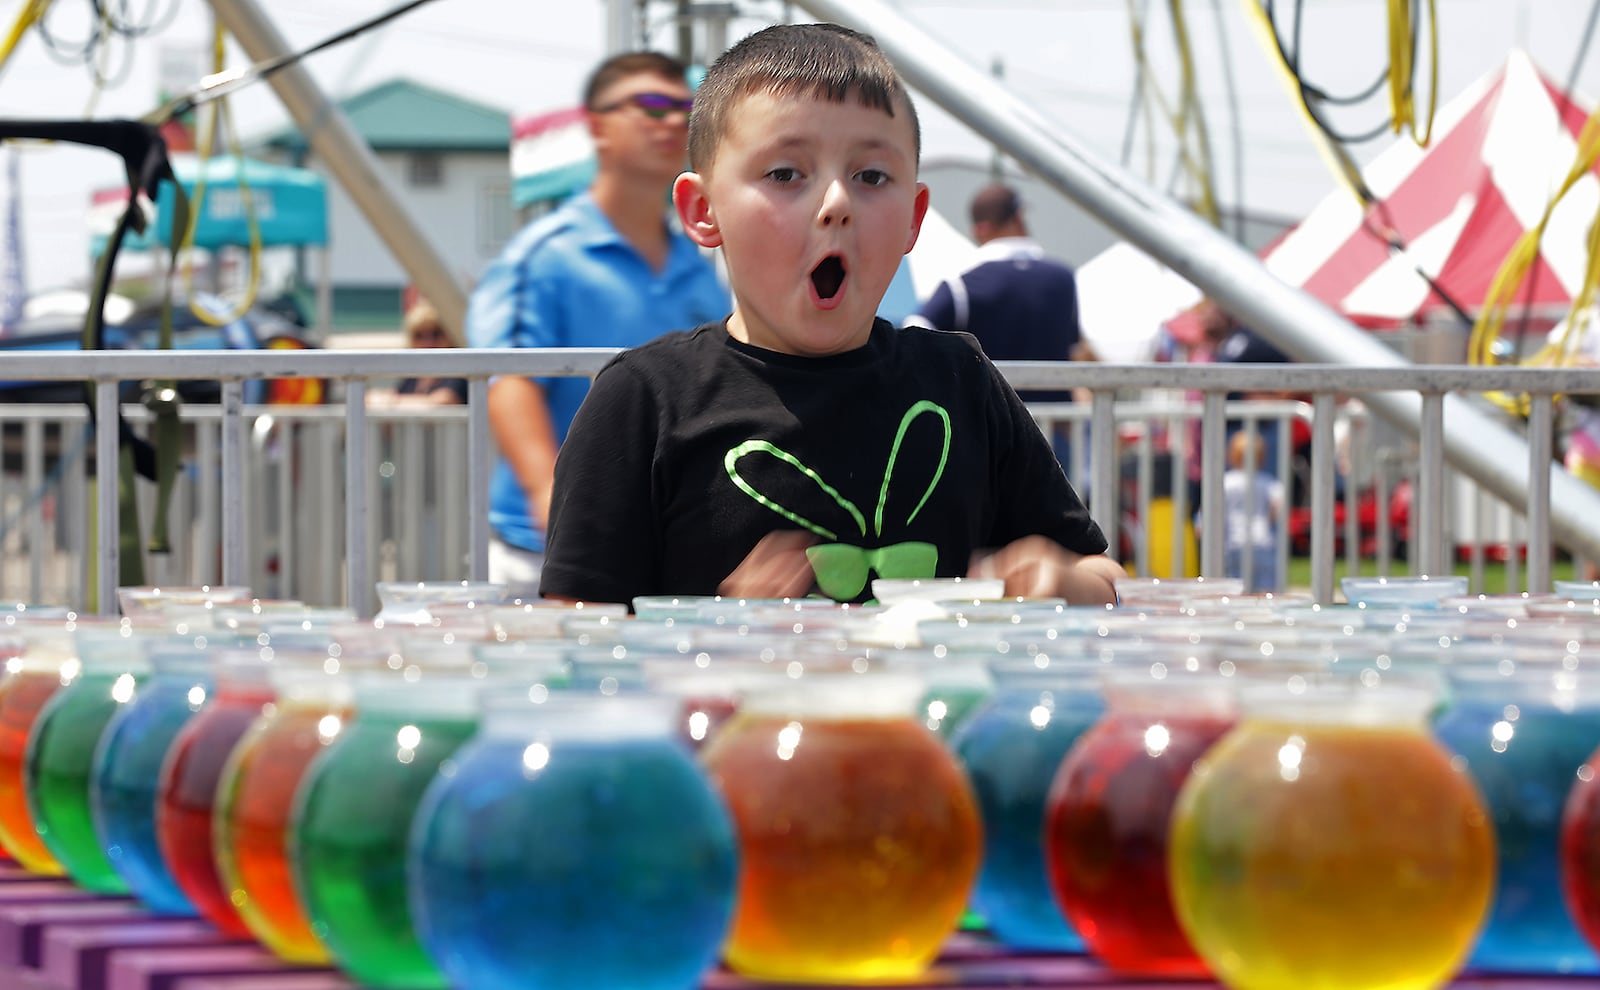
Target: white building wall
<point>467,215</point>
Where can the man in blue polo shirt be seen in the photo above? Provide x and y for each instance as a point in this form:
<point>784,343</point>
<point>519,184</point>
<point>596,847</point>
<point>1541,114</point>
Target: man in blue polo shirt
<point>603,270</point>
<point>1021,305</point>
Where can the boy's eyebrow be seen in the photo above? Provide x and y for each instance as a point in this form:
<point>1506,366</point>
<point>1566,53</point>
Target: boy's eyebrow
<point>782,142</point>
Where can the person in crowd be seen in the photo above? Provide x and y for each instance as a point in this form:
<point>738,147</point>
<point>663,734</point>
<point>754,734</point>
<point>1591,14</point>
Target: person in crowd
<point>1253,503</point>
<point>606,269</point>
<point>802,445</point>
<point>1021,304</point>
<point>422,329</point>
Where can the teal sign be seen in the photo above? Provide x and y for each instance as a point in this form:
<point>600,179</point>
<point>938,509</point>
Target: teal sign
<point>291,205</point>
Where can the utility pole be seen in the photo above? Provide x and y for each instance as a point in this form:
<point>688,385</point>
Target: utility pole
<point>353,164</point>
<point>622,34</point>
<point>997,68</point>
<point>686,31</point>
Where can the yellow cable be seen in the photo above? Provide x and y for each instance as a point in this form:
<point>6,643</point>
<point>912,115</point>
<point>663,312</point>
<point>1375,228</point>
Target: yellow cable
<point>32,11</point>
<point>1197,167</point>
<point>1514,270</point>
<point>1403,72</point>
<point>219,111</point>
<point>1200,171</point>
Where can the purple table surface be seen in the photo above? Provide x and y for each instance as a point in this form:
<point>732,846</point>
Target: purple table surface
<point>164,969</point>
<point>83,942</point>
<point>22,926</point>
<point>78,957</point>
<point>275,981</point>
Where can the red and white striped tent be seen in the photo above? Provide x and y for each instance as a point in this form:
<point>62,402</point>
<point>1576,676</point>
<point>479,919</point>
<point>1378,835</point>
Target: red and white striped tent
<point>1499,151</point>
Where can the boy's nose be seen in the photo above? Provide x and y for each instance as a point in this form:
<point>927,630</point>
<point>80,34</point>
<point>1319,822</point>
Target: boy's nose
<point>835,206</point>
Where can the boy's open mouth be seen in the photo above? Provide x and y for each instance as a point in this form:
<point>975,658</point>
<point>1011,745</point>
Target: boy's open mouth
<point>828,276</point>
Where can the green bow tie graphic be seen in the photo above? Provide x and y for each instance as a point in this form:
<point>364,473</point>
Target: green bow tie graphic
<point>842,569</point>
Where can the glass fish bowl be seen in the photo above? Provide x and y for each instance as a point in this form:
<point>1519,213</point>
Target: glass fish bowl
<point>126,773</point>
<point>1011,750</point>
<point>186,799</point>
<point>353,810</point>
<point>859,834</point>
<point>256,793</point>
<point>573,843</point>
<point>1524,729</point>
<point>60,755</point>
<point>1422,591</point>
<point>46,660</point>
<point>1328,842</point>
<point>1110,807</point>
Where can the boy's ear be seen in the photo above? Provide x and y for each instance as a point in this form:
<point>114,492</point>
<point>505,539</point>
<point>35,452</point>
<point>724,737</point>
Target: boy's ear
<point>919,210</point>
<point>694,210</point>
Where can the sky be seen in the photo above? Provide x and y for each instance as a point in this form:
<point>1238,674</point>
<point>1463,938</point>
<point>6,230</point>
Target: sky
<point>1072,59</point>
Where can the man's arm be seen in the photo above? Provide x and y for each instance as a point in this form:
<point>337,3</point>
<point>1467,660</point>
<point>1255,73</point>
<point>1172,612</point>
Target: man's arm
<point>507,310</point>
<point>519,417</point>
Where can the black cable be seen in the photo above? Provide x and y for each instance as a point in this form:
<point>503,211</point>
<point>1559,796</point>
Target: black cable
<point>266,67</point>
<point>68,53</point>
<point>152,23</point>
<point>111,79</point>
<point>1293,61</point>
<point>1312,96</point>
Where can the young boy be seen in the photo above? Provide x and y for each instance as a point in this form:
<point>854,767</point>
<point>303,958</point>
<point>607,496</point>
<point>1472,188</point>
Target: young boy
<point>1252,499</point>
<point>804,445</point>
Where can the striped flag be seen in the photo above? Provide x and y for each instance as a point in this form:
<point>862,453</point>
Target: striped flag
<point>552,156</point>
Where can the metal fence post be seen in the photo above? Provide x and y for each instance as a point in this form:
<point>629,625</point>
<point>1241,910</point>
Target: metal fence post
<point>1322,555</point>
<point>1427,509</point>
<point>1541,440</point>
<point>357,505</point>
<point>234,564</point>
<point>108,558</point>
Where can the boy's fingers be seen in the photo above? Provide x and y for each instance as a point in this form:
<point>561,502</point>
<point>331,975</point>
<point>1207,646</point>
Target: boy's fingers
<point>775,568</point>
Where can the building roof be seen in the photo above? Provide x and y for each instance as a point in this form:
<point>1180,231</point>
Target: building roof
<point>402,115</point>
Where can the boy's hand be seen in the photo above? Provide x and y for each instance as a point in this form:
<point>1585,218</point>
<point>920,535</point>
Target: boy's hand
<point>1038,567</point>
<point>775,568</point>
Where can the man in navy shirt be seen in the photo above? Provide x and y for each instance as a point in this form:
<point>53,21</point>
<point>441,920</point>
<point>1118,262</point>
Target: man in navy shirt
<point>1020,304</point>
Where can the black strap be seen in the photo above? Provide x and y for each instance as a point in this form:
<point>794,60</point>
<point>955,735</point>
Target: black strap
<point>144,157</point>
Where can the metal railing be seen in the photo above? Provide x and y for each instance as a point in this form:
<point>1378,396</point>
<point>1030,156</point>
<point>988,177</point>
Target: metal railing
<point>231,493</point>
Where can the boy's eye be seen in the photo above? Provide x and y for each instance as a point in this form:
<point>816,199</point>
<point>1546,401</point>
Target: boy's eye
<point>784,174</point>
<point>873,176</point>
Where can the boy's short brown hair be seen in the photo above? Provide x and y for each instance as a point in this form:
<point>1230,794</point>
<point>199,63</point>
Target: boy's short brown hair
<point>628,64</point>
<point>823,60</point>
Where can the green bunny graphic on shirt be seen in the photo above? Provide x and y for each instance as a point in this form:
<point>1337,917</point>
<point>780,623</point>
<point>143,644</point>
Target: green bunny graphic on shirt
<point>842,568</point>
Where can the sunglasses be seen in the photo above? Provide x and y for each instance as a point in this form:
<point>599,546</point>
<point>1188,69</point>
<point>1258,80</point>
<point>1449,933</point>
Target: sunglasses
<point>656,106</point>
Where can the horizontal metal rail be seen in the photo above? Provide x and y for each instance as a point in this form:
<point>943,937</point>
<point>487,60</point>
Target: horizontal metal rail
<point>354,369</point>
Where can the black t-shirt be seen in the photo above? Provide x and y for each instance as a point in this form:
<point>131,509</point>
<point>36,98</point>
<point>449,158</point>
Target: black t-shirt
<point>691,448</point>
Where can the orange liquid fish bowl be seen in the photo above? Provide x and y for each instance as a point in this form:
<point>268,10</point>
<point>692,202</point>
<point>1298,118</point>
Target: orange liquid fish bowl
<point>859,834</point>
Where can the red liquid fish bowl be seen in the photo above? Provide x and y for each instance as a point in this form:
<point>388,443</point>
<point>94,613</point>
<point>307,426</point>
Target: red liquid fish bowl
<point>1110,807</point>
<point>189,776</point>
